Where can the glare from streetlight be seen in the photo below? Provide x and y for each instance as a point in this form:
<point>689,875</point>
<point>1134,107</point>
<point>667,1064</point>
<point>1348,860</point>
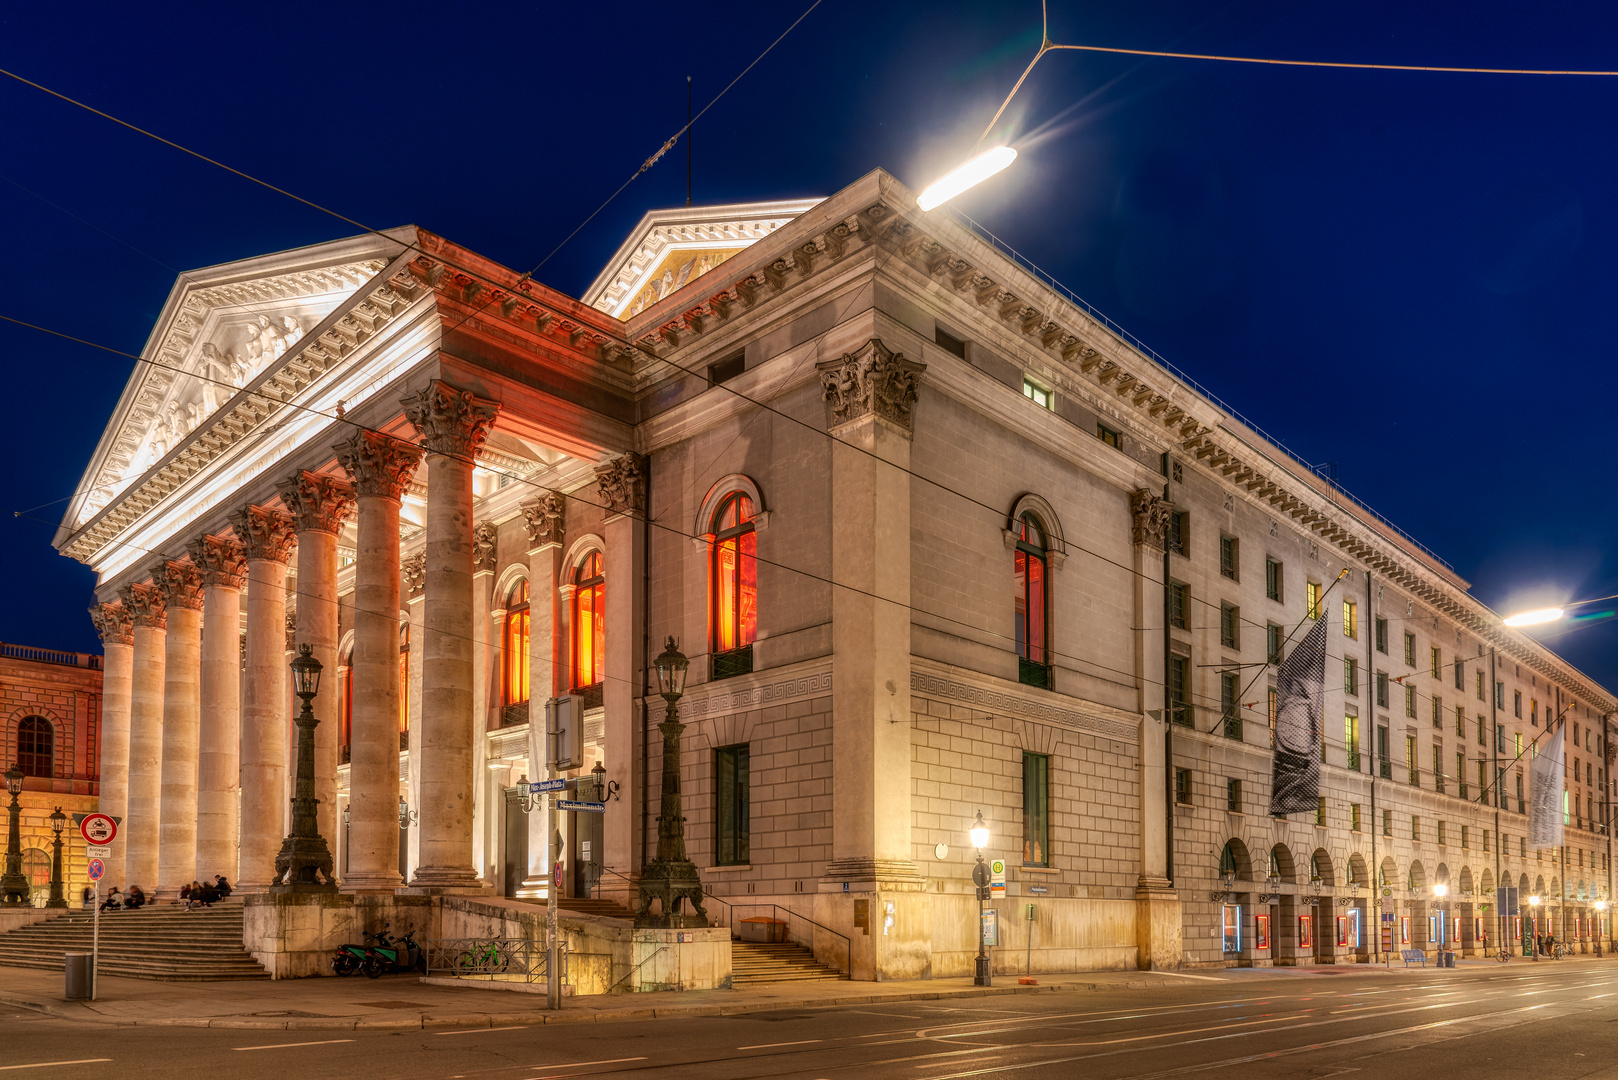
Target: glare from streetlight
<point>971,174</point>
<point>1441,890</point>
<point>1534,618</point>
<point>979,833</point>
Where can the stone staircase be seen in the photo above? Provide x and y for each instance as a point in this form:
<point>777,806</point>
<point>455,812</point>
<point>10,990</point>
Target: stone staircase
<point>752,963</point>
<point>155,942</point>
<point>583,905</point>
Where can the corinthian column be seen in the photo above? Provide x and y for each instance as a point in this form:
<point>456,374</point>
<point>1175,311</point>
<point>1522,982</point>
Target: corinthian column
<point>621,486</point>
<point>381,468</point>
<point>150,617</point>
<point>266,538</point>
<point>453,424</point>
<point>117,631</point>
<point>545,521</point>
<point>181,583</point>
<point>224,572</point>
<point>319,505</point>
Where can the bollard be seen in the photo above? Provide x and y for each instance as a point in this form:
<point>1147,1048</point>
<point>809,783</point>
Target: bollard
<point>78,975</point>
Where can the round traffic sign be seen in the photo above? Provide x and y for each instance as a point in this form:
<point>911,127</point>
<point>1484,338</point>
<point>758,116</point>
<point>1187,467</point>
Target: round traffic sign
<point>98,829</point>
<point>96,869</point>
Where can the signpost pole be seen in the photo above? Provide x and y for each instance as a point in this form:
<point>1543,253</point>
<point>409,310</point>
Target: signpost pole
<point>553,974</point>
<point>95,941</point>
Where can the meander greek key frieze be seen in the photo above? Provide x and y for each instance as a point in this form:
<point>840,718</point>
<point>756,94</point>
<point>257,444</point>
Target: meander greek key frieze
<point>815,684</point>
<point>993,701</point>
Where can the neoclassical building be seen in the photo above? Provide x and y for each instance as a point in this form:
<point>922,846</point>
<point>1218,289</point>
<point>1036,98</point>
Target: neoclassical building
<point>936,539</point>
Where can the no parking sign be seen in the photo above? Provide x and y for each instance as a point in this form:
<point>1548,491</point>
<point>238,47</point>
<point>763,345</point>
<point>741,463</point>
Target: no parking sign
<point>96,869</point>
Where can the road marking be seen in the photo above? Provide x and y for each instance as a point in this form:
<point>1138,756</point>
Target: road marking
<point>1183,975</point>
<point>577,1064</point>
<point>474,1031</point>
<point>771,1046</point>
<point>48,1064</point>
<point>283,1046</point>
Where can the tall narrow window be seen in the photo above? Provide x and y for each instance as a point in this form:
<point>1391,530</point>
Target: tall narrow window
<point>1381,635</point>
<point>1351,675</point>
<point>1030,579</point>
<point>1311,599</point>
<point>1179,534</point>
<point>1230,708</point>
<point>735,586</point>
<point>731,765</point>
<point>1351,741</point>
<point>1272,711</point>
<point>1036,810</point>
<point>516,644</point>
<point>1179,678</point>
<point>1410,649</point>
<point>1384,765</point>
<point>1230,624</point>
<point>1273,636</point>
<point>589,621</point>
<point>345,701</point>
<point>1410,760</point>
<point>1272,579</point>
<point>404,676</point>
<point>1229,563</point>
<point>35,746</point>
<point>1179,601</point>
<point>1351,619</point>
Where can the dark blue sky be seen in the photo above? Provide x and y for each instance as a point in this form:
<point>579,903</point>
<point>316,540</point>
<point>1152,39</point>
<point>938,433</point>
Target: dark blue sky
<point>1412,275</point>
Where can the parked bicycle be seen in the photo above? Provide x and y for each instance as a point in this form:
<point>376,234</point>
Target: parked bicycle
<point>1559,951</point>
<point>1503,955</point>
<point>483,958</point>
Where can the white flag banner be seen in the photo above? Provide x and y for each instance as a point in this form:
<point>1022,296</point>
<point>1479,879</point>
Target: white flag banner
<point>1545,811</point>
<point>1300,725</point>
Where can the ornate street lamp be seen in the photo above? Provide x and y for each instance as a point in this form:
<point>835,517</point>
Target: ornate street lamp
<point>13,886</point>
<point>58,823</point>
<point>671,876</point>
<point>407,816</point>
<point>979,832</point>
<point>304,864</point>
<point>1440,891</point>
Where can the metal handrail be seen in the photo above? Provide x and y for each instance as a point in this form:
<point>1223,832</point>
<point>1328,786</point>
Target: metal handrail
<point>848,946</point>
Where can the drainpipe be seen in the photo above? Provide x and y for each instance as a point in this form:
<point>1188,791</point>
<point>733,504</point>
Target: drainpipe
<point>1499,796</point>
<point>1368,740</point>
<point>1168,726</point>
<point>645,649</point>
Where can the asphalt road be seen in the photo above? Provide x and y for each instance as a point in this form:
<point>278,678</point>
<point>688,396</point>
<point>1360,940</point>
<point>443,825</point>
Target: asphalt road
<point>1555,1019</point>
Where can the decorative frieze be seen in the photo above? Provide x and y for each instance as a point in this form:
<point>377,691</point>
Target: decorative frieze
<point>485,548</point>
<point>265,533</point>
<point>451,421</point>
<point>379,464</point>
<point>146,605</point>
<point>317,502</point>
<point>544,519</point>
<point>871,381</point>
<point>622,483</point>
<point>181,583</point>
<point>413,574</point>
<point>1150,514</point>
<point>221,561</point>
<point>113,623</point>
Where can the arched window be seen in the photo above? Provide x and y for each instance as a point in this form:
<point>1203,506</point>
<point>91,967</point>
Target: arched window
<point>1032,619</point>
<point>733,586</point>
<point>35,746</point>
<point>404,679</point>
<point>589,621</point>
<point>516,644</point>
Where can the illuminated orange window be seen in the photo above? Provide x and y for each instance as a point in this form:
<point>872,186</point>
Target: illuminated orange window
<point>589,622</point>
<point>735,575</point>
<point>404,675</point>
<point>1029,572</point>
<point>345,698</point>
<point>516,644</point>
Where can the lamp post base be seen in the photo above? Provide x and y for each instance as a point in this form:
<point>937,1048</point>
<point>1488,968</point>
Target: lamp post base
<point>981,976</point>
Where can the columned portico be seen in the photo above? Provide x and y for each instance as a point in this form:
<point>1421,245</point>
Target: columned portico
<point>182,708</point>
<point>622,488</point>
<point>319,505</point>
<point>453,425</point>
<point>117,631</point>
<point>266,536</point>
<point>381,469</point>
<point>145,603</point>
<point>224,573</point>
<point>544,522</point>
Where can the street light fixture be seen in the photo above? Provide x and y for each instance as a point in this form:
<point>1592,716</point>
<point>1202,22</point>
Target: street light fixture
<point>1533,904</point>
<point>13,886</point>
<point>58,823</point>
<point>979,832</point>
<point>304,863</point>
<point>672,876</point>
<point>971,174</point>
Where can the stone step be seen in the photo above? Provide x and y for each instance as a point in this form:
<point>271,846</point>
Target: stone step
<point>203,944</point>
<point>756,962</point>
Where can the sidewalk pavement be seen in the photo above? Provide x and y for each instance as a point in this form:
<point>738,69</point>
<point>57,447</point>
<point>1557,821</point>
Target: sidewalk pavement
<point>403,1001</point>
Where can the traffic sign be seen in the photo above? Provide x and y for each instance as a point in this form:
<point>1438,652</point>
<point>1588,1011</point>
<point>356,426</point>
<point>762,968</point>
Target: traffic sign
<point>98,851</point>
<point>997,878</point>
<point>96,869</point>
<point>98,829</point>
<point>538,787</point>
<point>586,807</point>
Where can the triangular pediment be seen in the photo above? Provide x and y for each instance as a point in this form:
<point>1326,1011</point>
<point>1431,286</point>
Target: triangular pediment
<point>669,249</point>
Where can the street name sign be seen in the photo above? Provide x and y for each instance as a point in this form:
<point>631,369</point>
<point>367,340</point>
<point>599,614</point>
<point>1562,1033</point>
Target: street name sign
<point>541,786</point>
<point>586,807</point>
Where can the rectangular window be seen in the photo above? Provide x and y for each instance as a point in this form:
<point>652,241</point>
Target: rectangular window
<point>1460,723</point>
<point>1442,838</point>
<point>1179,688</point>
<point>1465,838</point>
<point>1415,828</point>
<point>731,764</point>
<point>1381,635</point>
<point>1460,774</point>
<point>1482,737</point>
<point>1354,817</point>
<point>1042,397</point>
<point>1384,765</point>
<point>1387,823</point>
<point>1480,683</point>
<point>1273,711</point>
<point>1460,676</point>
<point>1438,767</point>
<point>1351,741</point>
<point>1351,675</point>
<point>1182,786</point>
<point>1499,737</point>
<point>1533,711</point>
<point>1229,563</point>
<point>1179,601</point>
<point>1519,792</point>
<point>727,369</point>
<point>1437,662</point>
<point>1320,812</point>
<point>1518,743</point>
<point>1179,535</point>
<point>1273,636</point>
<point>1036,810</point>
<point>1516,704</point>
<point>1438,711</point>
<point>1351,619</point>
<point>948,342</point>
<point>1233,795</point>
<point>1272,579</point>
<point>1410,761</point>
<point>1230,622</point>
<point>1483,781</point>
<point>1229,708</point>
<point>1382,689</point>
<point>1410,649</point>
<point>1410,702</point>
<point>1311,599</point>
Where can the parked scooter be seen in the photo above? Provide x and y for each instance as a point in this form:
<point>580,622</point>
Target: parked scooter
<point>379,953</point>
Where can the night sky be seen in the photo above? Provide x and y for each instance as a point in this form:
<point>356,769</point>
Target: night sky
<point>1411,275</point>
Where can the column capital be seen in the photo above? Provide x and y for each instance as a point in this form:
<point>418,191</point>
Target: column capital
<point>1151,518</point>
<point>451,421</point>
<point>379,464</point>
<point>485,548</point>
<point>622,483</point>
<point>544,519</point>
<point>181,583</point>
<point>264,533</point>
<point>317,502</point>
<point>871,381</point>
<point>146,605</point>
<point>413,574</point>
<point>221,561</point>
<point>113,623</point>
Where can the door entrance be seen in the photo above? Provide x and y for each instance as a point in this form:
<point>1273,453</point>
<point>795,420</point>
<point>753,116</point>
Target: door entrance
<point>514,864</point>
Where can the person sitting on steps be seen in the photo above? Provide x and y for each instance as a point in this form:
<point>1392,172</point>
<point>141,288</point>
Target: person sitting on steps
<point>114,900</point>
